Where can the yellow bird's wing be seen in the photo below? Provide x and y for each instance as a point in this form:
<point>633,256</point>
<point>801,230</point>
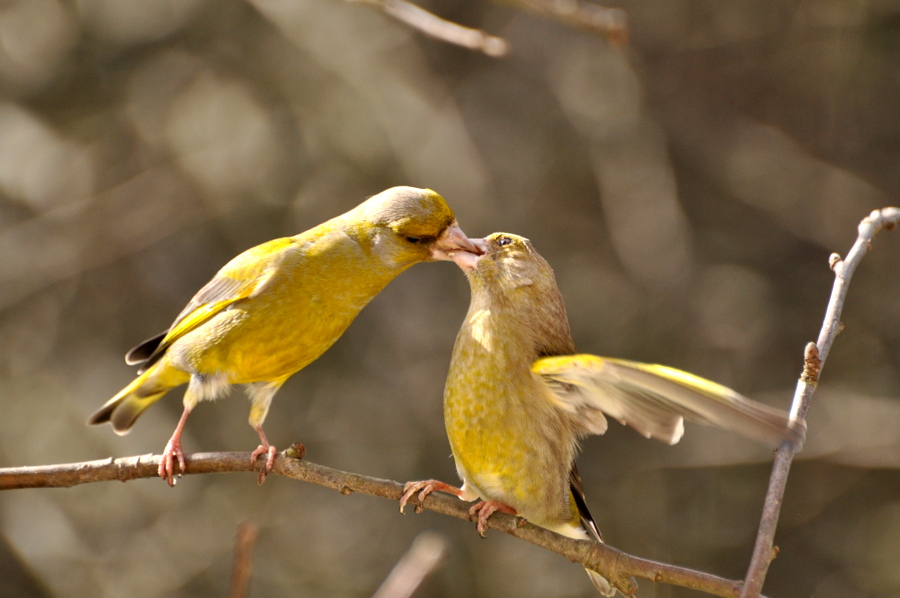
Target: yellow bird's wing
<point>655,400</point>
<point>242,277</point>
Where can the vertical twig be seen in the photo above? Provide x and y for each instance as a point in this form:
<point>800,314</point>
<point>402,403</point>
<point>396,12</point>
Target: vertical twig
<point>814,359</point>
<point>243,559</point>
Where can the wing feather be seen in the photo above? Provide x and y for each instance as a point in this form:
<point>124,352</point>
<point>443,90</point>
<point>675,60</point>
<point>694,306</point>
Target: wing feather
<point>655,400</point>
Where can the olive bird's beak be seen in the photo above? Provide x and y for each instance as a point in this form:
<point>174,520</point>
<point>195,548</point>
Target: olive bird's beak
<point>454,240</point>
<point>468,262</point>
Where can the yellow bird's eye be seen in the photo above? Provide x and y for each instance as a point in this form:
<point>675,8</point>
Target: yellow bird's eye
<point>414,239</point>
<point>502,241</point>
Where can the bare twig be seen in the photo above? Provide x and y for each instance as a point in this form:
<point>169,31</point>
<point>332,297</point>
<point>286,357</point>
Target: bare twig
<point>614,564</point>
<point>434,26</point>
<point>814,359</point>
<point>611,23</point>
<point>124,469</point>
<point>424,556</point>
<point>243,559</point>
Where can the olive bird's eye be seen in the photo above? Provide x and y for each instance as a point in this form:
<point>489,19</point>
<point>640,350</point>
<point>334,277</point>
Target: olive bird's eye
<point>414,239</point>
<point>504,241</point>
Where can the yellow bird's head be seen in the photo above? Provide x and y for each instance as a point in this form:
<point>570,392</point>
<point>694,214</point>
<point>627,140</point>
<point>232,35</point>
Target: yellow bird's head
<point>407,225</point>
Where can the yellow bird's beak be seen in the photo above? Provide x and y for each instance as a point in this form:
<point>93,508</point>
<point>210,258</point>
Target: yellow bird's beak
<point>453,240</point>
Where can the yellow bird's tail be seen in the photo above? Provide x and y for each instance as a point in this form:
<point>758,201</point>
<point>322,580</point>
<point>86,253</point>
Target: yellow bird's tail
<point>123,409</point>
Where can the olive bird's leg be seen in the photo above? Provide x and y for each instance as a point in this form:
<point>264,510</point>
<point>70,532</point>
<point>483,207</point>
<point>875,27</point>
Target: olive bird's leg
<point>426,487</point>
<point>485,509</point>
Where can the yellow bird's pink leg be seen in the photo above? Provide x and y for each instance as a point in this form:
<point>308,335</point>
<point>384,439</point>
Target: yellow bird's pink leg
<point>426,487</point>
<point>263,448</point>
<point>173,451</point>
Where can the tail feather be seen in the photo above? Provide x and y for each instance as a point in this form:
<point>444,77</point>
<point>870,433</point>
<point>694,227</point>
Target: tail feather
<point>123,409</point>
<point>588,525</point>
<point>146,353</point>
<point>601,583</point>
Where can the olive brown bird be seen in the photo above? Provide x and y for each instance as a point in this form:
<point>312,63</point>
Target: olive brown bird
<point>518,398</point>
<point>278,306</point>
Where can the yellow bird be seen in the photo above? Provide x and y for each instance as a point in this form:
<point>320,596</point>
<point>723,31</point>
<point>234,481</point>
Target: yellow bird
<point>518,398</point>
<point>278,306</point>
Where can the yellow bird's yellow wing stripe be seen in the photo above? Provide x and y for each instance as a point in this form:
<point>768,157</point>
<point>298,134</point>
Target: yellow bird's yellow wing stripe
<point>655,399</point>
<point>238,279</point>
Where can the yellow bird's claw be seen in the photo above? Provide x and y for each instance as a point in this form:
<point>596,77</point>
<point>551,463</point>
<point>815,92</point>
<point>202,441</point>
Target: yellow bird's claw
<point>171,455</point>
<point>263,449</point>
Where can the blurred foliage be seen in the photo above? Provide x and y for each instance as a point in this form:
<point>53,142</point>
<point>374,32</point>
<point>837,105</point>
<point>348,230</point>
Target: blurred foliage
<point>688,191</point>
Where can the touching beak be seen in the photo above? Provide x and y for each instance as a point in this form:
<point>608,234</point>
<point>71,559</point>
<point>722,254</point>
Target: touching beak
<point>452,241</point>
<point>467,262</point>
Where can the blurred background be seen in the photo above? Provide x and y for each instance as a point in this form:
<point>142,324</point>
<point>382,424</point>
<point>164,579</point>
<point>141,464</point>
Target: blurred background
<point>688,190</point>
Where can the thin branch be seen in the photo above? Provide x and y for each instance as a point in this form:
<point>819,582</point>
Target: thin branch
<point>441,29</point>
<point>610,23</point>
<point>106,470</point>
<point>813,359</point>
<point>614,564</point>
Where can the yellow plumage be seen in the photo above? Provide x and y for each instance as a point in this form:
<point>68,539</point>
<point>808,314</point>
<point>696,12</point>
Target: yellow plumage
<point>278,306</point>
<point>518,397</point>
